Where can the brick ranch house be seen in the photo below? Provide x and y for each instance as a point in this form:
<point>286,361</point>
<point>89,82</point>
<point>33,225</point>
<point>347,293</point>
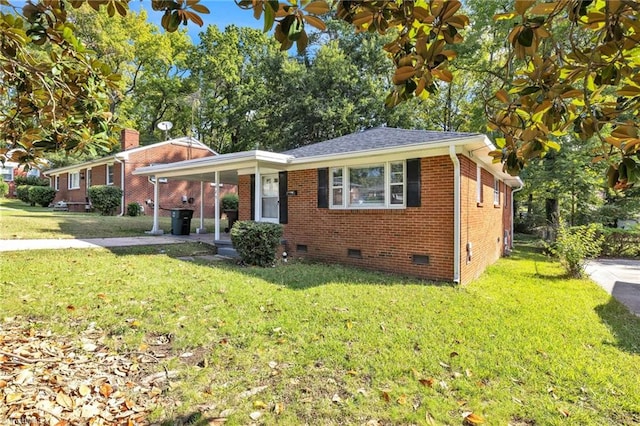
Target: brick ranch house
<point>10,170</point>
<point>422,203</point>
<point>72,182</point>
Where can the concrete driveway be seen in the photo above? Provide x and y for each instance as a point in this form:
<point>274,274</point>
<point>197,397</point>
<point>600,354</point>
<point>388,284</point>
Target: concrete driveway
<point>620,278</point>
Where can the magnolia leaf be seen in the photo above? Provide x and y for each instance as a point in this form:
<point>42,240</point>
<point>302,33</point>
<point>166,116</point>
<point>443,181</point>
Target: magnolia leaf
<point>106,390</point>
<point>471,418</point>
<point>318,7</point>
<point>427,382</point>
<point>521,6</point>
<point>553,145</point>
<point>504,16</point>
<point>402,74</point>
<point>543,8</point>
<point>502,96</point>
<point>629,91</point>
<point>64,400</point>
<point>315,22</point>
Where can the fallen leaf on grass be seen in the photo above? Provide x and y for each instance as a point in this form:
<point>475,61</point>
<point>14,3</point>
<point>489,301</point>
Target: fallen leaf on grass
<point>278,408</point>
<point>251,392</point>
<point>12,397</point>
<point>64,401</point>
<point>564,412</point>
<point>426,382</point>
<point>106,390</point>
<point>402,400</point>
<point>255,415</point>
<point>429,419</point>
<point>385,395</point>
<point>471,418</point>
<point>259,404</point>
<point>336,399</point>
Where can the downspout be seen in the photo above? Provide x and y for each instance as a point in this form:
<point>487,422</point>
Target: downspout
<point>456,214</point>
<point>121,184</point>
<point>513,213</point>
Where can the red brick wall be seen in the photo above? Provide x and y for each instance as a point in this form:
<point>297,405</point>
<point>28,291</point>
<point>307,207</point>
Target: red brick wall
<point>139,189</point>
<point>482,225</point>
<point>388,238</point>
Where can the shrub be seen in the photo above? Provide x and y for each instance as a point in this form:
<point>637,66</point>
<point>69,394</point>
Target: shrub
<point>134,209</point>
<point>4,188</point>
<point>31,181</point>
<point>41,195</point>
<point>620,242</point>
<point>105,198</point>
<point>256,242</point>
<point>574,245</point>
<point>22,192</point>
<point>230,202</point>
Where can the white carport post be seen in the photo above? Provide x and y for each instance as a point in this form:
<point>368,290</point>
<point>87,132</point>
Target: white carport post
<point>216,212</point>
<point>156,207</point>
<point>202,229</point>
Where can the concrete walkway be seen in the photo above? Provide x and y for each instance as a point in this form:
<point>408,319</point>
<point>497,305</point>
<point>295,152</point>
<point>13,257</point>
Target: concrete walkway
<point>51,244</point>
<point>620,278</point>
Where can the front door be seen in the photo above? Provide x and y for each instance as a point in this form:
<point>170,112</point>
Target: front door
<point>269,192</point>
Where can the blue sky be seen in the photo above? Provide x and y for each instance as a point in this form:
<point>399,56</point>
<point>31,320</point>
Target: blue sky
<point>223,13</point>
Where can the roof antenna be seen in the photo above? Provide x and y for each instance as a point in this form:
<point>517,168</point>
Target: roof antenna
<point>165,126</point>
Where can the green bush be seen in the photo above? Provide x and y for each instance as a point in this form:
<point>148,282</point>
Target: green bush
<point>620,242</point>
<point>31,181</point>
<point>4,188</point>
<point>105,198</point>
<point>574,245</point>
<point>256,242</point>
<point>134,209</point>
<point>41,195</point>
<point>230,202</point>
<point>22,192</point>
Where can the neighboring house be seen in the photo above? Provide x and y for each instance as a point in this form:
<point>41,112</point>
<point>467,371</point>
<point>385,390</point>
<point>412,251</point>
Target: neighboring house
<point>72,182</point>
<point>10,170</point>
<point>423,203</point>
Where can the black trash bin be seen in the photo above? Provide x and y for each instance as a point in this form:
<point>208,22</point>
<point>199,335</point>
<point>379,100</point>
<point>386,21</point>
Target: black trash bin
<point>181,221</point>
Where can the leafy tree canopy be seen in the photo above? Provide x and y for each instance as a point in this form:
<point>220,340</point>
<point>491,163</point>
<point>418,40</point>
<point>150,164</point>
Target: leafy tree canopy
<point>569,67</point>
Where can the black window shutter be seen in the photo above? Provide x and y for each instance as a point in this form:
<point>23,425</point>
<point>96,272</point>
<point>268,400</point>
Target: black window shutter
<point>283,200</point>
<point>253,197</point>
<point>323,188</point>
<point>413,182</point>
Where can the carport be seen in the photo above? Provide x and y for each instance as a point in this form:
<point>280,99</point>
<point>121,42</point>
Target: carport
<point>221,169</point>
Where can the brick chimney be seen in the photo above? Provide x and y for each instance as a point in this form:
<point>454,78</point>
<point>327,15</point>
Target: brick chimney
<point>129,138</point>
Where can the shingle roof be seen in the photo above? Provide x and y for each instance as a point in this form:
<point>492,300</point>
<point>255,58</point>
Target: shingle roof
<point>372,139</point>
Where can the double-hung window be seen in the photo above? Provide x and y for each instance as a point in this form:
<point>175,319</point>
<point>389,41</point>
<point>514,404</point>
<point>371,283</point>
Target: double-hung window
<point>74,180</point>
<point>368,186</point>
<point>110,174</point>
<point>496,192</point>
<point>7,173</point>
<point>56,182</point>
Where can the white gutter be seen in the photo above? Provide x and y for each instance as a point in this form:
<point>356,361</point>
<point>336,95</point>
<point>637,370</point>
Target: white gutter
<point>456,214</point>
<point>513,213</point>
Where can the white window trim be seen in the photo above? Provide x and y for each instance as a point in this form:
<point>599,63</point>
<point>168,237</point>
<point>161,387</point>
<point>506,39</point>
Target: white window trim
<point>88,177</point>
<point>70,181</point>
<point>387,187</point>
<point>110,182</point>
<point>269,219</point>
<point>56,182</point>
<point>496,191</point>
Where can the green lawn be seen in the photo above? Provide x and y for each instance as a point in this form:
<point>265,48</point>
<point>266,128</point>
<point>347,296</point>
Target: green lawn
<point>333,345</point>
<point>25,222</point>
